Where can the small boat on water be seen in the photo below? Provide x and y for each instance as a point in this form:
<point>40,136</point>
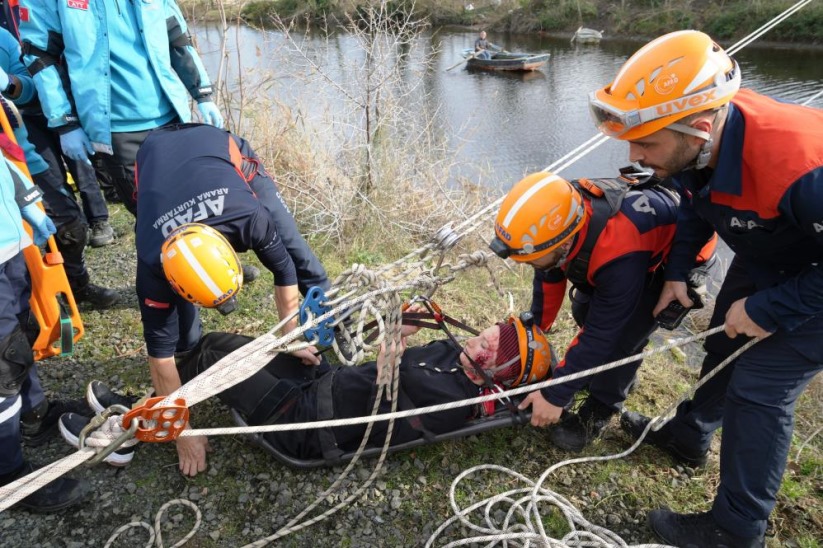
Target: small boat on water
<point>587,36</point>
<point>507,61</point>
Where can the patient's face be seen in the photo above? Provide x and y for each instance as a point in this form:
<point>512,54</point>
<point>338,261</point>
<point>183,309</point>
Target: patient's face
<point>483,350</point>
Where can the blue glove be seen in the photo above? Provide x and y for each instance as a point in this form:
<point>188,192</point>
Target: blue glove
<point>76,145</point>
<point>40,223</point>
<point>4,79</point>
<point>210,113</point>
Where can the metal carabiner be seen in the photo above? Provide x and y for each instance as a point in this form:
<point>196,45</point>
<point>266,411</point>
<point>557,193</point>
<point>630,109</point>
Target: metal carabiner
<point>96,422</point>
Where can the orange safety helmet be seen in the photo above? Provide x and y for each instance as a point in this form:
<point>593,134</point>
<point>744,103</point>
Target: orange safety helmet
<point>202,267</point>
<point>538,215</point>
<point>535,361</point>
<point>669,78</point>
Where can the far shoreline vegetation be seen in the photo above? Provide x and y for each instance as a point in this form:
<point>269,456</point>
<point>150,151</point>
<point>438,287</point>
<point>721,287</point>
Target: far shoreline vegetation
<point>727,20</point>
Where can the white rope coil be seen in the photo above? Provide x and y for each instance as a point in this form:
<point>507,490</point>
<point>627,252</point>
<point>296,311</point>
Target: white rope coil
<point>156,532</point>
<point>523,520</point>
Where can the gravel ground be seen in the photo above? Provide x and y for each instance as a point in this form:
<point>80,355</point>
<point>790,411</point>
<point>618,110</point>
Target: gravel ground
<point>246,496</point>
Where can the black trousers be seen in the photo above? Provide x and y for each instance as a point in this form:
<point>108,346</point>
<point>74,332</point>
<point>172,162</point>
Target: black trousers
<point>612,387</point>
<point>61,205</point>
<point>753,399</point>
<point>310,271</point>
<point>120,165</point>
<point>283,391</point>
<point>47,144</point>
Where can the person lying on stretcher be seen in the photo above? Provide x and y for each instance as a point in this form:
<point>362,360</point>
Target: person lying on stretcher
<point>435,373</point>
<point>505,355</point>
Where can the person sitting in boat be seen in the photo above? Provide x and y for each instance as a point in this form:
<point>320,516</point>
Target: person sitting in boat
<point>502,356</point>
<point>483,48</point>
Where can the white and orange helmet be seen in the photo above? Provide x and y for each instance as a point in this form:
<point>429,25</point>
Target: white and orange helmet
<point>668,79</point>
<point>202,267</point>
<point>539,214</point>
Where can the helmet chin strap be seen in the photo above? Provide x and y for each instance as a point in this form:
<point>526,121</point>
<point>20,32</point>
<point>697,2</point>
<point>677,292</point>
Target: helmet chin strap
<point>702,159</point>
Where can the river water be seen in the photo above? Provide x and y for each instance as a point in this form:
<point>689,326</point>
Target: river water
<point>499,126</point>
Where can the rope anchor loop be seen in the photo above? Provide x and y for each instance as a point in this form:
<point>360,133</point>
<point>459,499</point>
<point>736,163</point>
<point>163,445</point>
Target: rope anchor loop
<point>96,422</point>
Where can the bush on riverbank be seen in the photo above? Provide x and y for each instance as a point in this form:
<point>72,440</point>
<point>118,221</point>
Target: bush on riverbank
<point>637,19</point>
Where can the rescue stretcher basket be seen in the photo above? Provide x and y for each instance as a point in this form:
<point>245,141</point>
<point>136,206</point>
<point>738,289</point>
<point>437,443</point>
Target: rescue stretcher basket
<point>501,418</point>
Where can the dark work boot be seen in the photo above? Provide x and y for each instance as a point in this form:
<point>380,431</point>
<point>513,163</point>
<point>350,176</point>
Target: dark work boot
<point>39,424</point>
<point>101,234</point>
<point>697,531</point>
<point>250,273</point>
<point>60,493</point>
<point>97,296</point>
<point>634,424</point>
<point>577,430</point>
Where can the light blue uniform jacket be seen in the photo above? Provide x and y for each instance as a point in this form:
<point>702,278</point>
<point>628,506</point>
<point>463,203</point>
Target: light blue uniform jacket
<point>76,90</point>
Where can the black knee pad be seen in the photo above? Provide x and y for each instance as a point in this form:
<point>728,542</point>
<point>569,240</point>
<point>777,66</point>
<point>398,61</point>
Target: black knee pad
<point>16,359</point>
<point>28,323</point>
<point>73,236</point>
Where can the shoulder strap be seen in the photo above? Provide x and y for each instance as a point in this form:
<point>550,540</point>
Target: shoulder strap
<point>245,166</point>
<point>606,196</point>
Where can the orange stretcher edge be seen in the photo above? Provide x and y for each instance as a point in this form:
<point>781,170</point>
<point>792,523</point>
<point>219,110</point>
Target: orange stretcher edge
<point>52,301</point>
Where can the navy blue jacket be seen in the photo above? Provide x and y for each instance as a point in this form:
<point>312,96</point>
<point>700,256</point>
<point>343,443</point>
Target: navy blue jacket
<point>634,242</point>
<point>765,200</point>
<point>185,175</point>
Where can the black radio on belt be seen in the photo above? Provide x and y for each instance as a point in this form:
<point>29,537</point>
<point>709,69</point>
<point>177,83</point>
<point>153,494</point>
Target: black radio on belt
<point>671,316</point>
<point>527,319</point>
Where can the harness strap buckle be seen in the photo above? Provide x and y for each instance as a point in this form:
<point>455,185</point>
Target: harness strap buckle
<point>487,407</point>
<point>590,187</point>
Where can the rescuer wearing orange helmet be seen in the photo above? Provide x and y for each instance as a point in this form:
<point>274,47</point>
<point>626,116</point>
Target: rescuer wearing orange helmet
<point>751,169</point>
<point>609,238</point>
<point>202,195</point>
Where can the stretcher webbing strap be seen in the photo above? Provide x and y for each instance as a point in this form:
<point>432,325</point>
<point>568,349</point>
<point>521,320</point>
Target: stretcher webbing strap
<point>405,402</point>
<point>325,411</point>
<point>271,406</point>
<point>419,319</point>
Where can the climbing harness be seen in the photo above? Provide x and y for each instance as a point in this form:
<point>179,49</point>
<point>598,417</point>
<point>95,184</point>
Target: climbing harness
<point>606,197</point>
